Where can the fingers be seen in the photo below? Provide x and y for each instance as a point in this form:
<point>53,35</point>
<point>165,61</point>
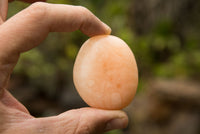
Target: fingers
<point>29,27</point>
<point>3,10</point>
<point>84,121</point>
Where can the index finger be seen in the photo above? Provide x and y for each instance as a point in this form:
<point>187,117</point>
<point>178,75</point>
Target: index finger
<point>33,24</point>
<point>29,27</point>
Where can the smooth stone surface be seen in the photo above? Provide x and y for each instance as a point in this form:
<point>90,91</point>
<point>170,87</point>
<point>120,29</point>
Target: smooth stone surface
<point>105,73</point>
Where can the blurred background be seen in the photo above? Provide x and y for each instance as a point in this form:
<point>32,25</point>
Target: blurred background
<point>164,36</point>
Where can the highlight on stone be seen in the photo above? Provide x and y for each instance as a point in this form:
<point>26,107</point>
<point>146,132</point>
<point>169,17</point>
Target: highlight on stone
<point>105,73</point>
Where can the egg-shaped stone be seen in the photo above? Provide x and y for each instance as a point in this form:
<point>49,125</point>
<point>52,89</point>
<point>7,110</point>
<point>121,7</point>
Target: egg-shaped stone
<point>105,73</point>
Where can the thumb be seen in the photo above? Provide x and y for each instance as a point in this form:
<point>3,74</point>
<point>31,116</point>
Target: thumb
<point>93,121</point>
<point>86,121</point>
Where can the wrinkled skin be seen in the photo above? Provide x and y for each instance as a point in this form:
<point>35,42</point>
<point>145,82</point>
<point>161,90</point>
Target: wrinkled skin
<point>34,24</point>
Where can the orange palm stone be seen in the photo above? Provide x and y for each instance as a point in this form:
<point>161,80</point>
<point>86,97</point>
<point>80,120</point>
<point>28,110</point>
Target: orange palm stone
<point>105,73</point>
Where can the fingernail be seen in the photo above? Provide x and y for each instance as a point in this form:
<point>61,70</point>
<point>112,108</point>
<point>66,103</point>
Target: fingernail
<point>118,123</point>
<point>108,29</point>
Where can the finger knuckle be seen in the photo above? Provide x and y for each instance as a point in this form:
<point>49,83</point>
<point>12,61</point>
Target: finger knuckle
<point>83,129</point>
<point>84,11</point>
<point>37,10</point>
<point>87,17</point>
<point>83,126</point>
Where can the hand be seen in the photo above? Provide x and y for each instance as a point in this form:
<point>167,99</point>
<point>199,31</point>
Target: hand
<point>25,31</point>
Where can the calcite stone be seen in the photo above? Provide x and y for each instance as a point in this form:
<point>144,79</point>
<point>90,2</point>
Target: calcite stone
<point>105,73</point>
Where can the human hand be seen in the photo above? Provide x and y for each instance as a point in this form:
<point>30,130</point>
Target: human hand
<point>25,31</point>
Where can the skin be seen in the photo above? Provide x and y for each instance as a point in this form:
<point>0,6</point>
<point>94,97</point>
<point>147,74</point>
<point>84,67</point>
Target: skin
<point>34,24</point>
